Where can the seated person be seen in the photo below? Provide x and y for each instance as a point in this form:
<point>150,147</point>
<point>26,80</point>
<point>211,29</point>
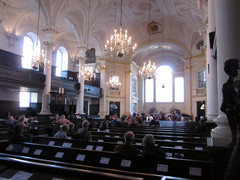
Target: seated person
<point>62,133</point>
<point>150,150</point>
<point>71,128</point>
<point>83,133</point>
<point>62,120</point>
<point>10,122</point>
<point>127,148</point>
<point>34,119</point>
<point>103,127</point>
<point>17,133</point>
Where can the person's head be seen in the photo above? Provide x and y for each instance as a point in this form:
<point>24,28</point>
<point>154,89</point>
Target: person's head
<point>129,137</point>
<point>71,126</point>
<point>148,140</point>
<point>65,128</point>
<point>34,118</point>
<point>231,67</point>
<point>85,124</point>
<point>11,118</point>
<point>62,116</point>
<point>103,126</point>
<point>22,118</point>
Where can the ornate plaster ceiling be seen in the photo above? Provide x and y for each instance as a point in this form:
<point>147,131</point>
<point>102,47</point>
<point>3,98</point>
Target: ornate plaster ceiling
<point>182,21</point>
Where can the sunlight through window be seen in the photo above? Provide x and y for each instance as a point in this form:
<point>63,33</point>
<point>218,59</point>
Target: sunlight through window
<point>164,84</point>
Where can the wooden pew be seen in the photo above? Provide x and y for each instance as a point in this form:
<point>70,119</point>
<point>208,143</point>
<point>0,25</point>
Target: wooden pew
<point>39,170</point>
<point>68,171</point>
<point>156,129</point>
<point>157,137</point>
<point>174,167</point>
<point>176,144</point>
<point>137,131</point>
<point>108,146</point>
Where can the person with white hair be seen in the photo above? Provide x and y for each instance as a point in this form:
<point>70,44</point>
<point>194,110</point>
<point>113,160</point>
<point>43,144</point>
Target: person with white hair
<point>84,133</point>
<point>127,148</point>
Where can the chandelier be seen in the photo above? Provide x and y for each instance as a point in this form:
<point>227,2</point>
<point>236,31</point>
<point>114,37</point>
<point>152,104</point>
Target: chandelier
<point>38,59</point>
<point>88,74</point>
<point>148,71</point>
<point>120,43</point>
<point>114,83</point>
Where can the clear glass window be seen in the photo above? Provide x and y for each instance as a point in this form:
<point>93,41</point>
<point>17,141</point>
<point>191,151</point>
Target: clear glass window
<point>31,48</point>
<point>27,52</point>
<point>202,79</point>
<point>179,89</point>
<point>149,90</point>
<point>26,97</point>
<point>61,62</point>
<point>164,84</point>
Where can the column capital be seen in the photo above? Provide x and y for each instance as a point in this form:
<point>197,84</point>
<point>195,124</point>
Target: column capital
<point>102,68</point>
<point>12,39</point>
<point>81,50</point>
<point>128,71</point>
<point>49,44</point>
<point>187,68</point>
<point>50,32</point>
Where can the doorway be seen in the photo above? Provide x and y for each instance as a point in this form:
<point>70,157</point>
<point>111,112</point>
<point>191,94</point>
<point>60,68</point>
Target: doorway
<point>85,107</point>
<point>114,108</point>
<point>200,110</point>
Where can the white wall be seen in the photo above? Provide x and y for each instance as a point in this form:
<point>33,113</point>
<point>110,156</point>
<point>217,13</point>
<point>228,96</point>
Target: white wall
<point>8,95</point>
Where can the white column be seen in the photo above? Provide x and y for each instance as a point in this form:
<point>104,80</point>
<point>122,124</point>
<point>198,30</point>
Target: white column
<point>228,42</point>
<point>47,72</point>
<point>80,100</point>
<point>128,90</point>
<point>103,108</point>
<point>187,87</point>
<point>211,69</point>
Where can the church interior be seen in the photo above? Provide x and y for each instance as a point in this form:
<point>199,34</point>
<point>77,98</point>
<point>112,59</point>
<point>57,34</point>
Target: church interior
<point>145,67</point>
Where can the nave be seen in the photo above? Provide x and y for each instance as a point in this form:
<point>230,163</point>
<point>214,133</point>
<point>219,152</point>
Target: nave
<point>186,149</point>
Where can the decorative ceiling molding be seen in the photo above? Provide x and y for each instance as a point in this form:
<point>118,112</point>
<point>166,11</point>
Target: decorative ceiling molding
<point>201,55</point>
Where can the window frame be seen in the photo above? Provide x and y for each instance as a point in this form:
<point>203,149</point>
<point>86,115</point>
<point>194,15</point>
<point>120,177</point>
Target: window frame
<point>202,81</point>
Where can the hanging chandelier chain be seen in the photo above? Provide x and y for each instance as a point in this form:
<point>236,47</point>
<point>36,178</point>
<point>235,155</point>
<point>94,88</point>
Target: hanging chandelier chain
<point>148,71</point>
<point>86,72</point>
<point>88,23</point>
<point>121,15</point>
<point>120,43</point>
<point>39,2</point>
<point>39,60</point>
<point>149,18</point>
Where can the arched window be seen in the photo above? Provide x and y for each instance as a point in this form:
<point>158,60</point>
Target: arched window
<point>164,86</point>
<point>149,90</point>
<point>61,62</point>
<point>179,89</point>
<point>30,49</point>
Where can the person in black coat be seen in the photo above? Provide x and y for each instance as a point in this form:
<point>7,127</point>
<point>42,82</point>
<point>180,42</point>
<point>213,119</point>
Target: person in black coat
<point>150,150</point>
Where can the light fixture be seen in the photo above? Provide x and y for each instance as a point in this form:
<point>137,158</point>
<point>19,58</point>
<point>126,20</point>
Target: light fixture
<point>114,83</point>
<point>120,44</point>
<point>86,72</point>
<point>38,59</point>
<point>148,71</point>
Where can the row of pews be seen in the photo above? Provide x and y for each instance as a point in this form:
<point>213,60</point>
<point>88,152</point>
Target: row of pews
<point>188,157</point>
